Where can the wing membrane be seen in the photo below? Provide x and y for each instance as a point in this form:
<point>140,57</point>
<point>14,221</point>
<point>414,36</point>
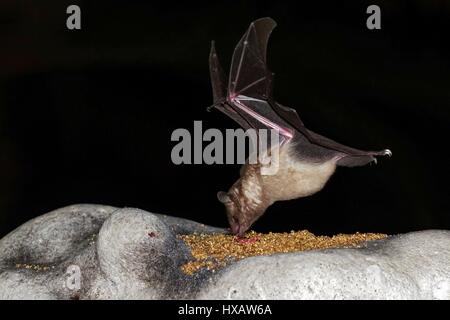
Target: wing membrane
<point>249,74</point>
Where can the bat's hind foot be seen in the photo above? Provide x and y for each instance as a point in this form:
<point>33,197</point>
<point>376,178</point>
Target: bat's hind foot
<point>385,152</point>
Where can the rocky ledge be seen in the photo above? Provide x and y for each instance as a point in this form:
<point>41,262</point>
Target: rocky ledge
<point>102,252</point>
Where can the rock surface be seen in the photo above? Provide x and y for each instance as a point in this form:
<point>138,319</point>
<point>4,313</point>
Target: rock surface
<point>102,252</point>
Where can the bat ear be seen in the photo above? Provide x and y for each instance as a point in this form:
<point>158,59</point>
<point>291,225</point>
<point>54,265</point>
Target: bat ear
<point>223,197</point>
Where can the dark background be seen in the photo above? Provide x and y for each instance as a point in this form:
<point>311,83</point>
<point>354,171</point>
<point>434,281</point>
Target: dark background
<point>86,116</point>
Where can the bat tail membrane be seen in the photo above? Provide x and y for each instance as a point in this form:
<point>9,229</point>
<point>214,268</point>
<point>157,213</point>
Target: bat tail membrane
<point>217,75</point>
<point>357,160</point>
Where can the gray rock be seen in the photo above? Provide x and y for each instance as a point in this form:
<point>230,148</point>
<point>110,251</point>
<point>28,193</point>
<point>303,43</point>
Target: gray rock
<point>98,252</point>
<point>410,266</point>
<point>102,252</point>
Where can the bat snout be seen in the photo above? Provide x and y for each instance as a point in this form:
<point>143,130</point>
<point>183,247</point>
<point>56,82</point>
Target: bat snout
<point>235,228</point>
<point>232,214</point>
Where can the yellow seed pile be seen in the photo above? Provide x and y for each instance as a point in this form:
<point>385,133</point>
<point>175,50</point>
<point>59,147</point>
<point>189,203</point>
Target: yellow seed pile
<point>212,251</point>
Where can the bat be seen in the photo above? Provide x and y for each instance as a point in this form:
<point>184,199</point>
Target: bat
<point>306,159</point>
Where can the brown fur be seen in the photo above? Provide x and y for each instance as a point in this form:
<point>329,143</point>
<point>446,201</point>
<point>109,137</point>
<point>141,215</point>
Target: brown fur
<point>253,192</point>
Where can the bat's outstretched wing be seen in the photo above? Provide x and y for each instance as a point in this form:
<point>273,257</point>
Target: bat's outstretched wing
<point>248,99</point>
<point>250,83</point>
<point>218,80</point>
<point>249,75</point>
<point>219,88</point>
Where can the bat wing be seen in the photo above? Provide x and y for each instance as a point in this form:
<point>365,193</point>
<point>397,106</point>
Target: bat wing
<point>218,82</point>
<point>350,157</point>
<point>249,75</point>
<point>217,75</point>
<point>248,98</point>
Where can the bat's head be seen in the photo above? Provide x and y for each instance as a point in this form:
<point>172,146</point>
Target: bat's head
<point>240,214</point>
<point>234,214</point>
<point>246,201</point>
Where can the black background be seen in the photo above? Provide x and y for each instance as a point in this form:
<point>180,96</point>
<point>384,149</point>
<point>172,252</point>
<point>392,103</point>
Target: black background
<point>86,116</point>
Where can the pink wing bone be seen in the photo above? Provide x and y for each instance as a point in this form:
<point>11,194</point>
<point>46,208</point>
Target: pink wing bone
<point>254,78</point>
<point>238,101</point>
